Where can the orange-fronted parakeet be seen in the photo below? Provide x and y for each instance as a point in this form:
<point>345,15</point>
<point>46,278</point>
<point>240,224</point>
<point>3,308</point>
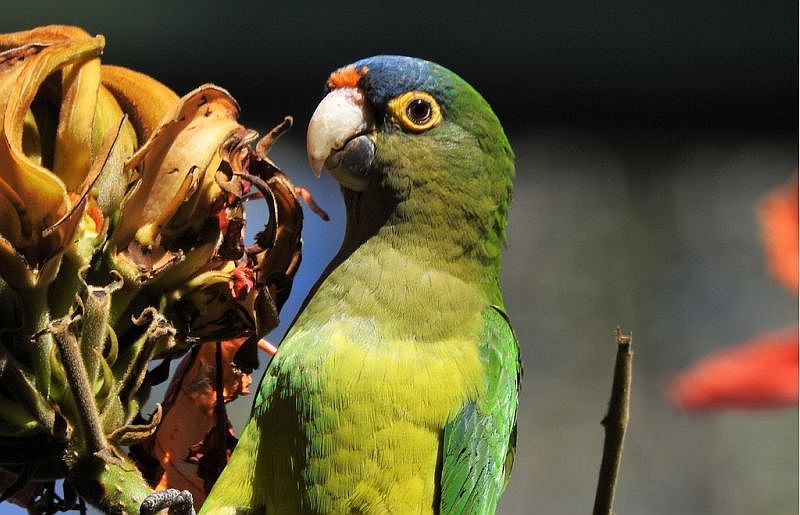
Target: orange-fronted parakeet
<point>395,390</point>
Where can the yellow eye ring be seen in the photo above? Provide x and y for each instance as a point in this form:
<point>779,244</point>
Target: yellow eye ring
<point>416,111</point>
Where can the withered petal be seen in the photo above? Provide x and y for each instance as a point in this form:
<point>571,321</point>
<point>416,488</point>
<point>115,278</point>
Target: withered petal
<point>174,161</point>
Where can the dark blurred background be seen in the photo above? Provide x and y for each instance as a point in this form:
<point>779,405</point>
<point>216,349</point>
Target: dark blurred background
<point>641,65</point>
<point>645,134</point>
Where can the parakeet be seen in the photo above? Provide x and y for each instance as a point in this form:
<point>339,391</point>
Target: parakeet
<point>395,390</point>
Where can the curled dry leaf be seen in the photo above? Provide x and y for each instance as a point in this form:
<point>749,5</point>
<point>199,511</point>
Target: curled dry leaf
<point>45,182</point>
<point>192,425</point>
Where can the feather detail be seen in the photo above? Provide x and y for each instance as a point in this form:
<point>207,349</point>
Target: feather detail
<point>479,444</point>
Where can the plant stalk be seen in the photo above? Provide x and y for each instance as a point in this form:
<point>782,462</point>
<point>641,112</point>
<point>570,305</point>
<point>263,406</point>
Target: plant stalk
<point>79,385</point>
<point>615,423</point>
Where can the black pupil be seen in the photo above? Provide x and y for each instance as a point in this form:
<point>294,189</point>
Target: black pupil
<point>419,111</point>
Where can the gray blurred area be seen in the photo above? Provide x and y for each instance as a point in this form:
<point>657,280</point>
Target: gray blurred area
<point>593,242</point>
<point>645,134</point>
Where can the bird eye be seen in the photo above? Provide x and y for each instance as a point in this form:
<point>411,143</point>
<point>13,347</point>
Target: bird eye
<point>415,111</point>
<point>419,111</point>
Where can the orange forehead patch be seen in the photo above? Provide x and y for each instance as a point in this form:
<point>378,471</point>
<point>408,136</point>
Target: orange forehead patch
<point>346,77</point>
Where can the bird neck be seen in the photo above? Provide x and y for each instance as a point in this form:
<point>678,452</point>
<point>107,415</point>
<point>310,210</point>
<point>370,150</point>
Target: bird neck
<point>464,241</point>
<point>414,265</point>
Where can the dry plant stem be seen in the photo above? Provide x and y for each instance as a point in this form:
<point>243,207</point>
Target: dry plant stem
<point>265,144</point>
<point>79,384</point>
<point>615,423</point>
<point>311,203</point>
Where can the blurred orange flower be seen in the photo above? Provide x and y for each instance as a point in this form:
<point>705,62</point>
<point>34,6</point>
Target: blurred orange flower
<point>762,372</point>
<point>778,216</point>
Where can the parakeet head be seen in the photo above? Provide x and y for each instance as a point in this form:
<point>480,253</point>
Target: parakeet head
<point>416,143</point>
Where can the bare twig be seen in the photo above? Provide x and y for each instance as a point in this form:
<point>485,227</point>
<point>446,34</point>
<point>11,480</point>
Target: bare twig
<point>615,423</point>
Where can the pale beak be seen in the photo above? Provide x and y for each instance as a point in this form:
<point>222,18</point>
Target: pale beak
<point>338,137</point>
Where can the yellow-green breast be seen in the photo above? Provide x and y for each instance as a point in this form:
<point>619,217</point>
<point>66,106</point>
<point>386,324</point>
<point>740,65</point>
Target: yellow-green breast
<point>363,386</point>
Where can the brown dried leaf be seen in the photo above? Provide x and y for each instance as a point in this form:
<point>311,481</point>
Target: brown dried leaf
<point>184,452</point>
<point>276,253</point>
<point>144,98</point>
<point>175,162</point>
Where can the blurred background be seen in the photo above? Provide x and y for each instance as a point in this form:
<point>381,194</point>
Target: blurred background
<point>645,134</point>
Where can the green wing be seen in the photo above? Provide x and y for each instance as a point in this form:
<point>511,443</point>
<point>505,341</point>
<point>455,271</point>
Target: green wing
<point>479,444</point>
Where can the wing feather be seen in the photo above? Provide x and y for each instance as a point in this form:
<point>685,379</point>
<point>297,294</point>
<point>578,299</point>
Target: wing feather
<point>478,445</point>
